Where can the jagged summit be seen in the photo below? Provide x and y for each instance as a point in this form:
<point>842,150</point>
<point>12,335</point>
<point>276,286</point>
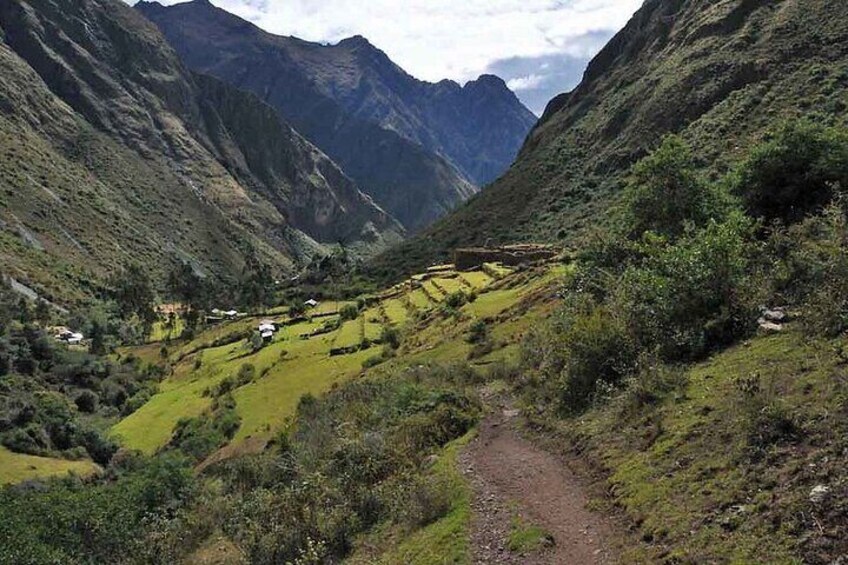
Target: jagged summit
<point>420,149</point>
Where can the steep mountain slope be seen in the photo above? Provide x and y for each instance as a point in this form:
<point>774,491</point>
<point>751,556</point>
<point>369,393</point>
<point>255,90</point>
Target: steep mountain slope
<point>719,73</point>
<point>412,145</point>
<point>114,152</point>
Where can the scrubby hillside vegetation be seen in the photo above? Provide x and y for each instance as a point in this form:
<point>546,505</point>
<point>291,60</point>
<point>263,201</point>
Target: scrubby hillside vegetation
<point>719,74</point>
<point>344,425</point>
<point>697,358</point>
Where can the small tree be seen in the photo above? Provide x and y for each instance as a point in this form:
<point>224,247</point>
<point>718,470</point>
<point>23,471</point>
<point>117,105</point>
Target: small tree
<point>134,294</point>
<point>257,285</point>
<point>43,313</point>
<point>798,170</point>
<point>666,192</point>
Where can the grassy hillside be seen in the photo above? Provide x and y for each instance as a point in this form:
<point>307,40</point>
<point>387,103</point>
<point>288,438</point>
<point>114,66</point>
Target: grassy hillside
<point>299,360</point>
<point>719,74</point>
<point>114,153</point>
<point>684,470</point>
<point>18,467</point>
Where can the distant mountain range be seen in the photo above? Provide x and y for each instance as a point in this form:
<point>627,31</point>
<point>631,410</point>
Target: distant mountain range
<point>718,73</point>
<point>419,149</point>
<point>115,152</point>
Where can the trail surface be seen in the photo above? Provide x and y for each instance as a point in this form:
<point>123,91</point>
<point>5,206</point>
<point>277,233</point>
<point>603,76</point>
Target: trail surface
<point>514,479</point>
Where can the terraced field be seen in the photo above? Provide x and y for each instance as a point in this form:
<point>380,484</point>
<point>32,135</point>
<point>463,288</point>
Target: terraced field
<point>299,360</point>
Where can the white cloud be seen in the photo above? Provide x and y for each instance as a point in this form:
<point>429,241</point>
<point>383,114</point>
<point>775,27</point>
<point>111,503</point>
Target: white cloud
<point>528,82</point>
<point>437,39</point>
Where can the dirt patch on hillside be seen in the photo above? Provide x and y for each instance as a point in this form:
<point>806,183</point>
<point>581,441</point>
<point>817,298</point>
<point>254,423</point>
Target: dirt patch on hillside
<point>516,484</point>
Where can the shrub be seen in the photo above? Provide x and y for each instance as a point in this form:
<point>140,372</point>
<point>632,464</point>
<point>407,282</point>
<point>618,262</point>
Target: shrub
<point>666,193</point>
<point>765,419</point>
<point>598,353</point>
<point>349,312</point>
<point>417,501</point>
<point>246,374</point>
<point>687,298</point>
<point>478,332</point>
<point>390,337</point>
<point>798,170</point>
<point>86,401</point>
<point>455,300</point>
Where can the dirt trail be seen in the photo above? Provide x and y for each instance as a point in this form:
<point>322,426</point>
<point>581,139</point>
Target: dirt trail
<point>510,476</point>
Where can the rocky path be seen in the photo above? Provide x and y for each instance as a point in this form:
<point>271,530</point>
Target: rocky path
<point>511,477</point>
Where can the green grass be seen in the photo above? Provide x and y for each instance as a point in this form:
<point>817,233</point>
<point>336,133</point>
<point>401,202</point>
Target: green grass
<point>433,291</point>
<point>680,468</point>
<point>373,331</point>
<point>492,303</point>
<point>526,538</point>
<point>181,395</point>
<point>396,311</point>
<point>477,279</point>
<point>349,334</point>
<point>17,467</point>
<point>266,404</point>
<point>161,333</point>
<point>450,285</point>
<point>290,367</point>
<point>446,540</point>
<point>420,300</point>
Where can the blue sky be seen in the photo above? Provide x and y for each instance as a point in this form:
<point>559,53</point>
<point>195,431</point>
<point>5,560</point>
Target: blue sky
<point>540,47</point>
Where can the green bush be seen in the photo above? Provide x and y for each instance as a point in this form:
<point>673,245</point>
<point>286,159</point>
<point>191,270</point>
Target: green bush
<point>478,332</point>
<point>86,401</point>
<point>798,170</point>
<point>390,337</point>
<point>455,300</point>
<point>349,312</point>
<point>690,297</point>
<point>666,193</point>
<point>765,419</point>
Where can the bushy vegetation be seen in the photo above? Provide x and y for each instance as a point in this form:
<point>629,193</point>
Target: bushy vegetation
<point>797,171</point>
<point>52,397</point>
<point>354,459</point>
<point>123,517</point>
<point>685,271</point>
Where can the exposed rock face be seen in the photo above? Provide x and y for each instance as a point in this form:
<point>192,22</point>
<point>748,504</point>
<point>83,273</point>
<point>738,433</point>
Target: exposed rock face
<point>418,148</point>
<point>719,73</point>
<point>114,151</point>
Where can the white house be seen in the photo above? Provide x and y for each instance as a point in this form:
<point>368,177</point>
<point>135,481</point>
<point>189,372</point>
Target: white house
<point>267,326</point>
<point>311,303</point>
<point>69,337</point>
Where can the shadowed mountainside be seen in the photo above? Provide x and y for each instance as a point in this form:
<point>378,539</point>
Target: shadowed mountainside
<point>115,152</point>
<point>418,148</point>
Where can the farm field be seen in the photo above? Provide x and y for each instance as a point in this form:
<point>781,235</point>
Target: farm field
<point>17,467</point>
<point>298,362</point>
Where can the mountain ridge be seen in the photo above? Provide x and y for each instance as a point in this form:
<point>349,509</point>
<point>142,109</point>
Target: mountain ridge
<point>94,102</point>
<point>719,75</point>
<point>418,148</point>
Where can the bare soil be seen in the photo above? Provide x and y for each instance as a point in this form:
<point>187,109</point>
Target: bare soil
<point>511,477</point>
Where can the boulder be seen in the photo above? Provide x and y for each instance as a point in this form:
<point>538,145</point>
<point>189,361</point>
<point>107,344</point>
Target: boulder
<point>819,494</point>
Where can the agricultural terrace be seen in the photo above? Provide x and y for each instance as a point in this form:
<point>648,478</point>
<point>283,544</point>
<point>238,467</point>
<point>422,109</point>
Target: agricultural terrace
<point>310,356</point>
